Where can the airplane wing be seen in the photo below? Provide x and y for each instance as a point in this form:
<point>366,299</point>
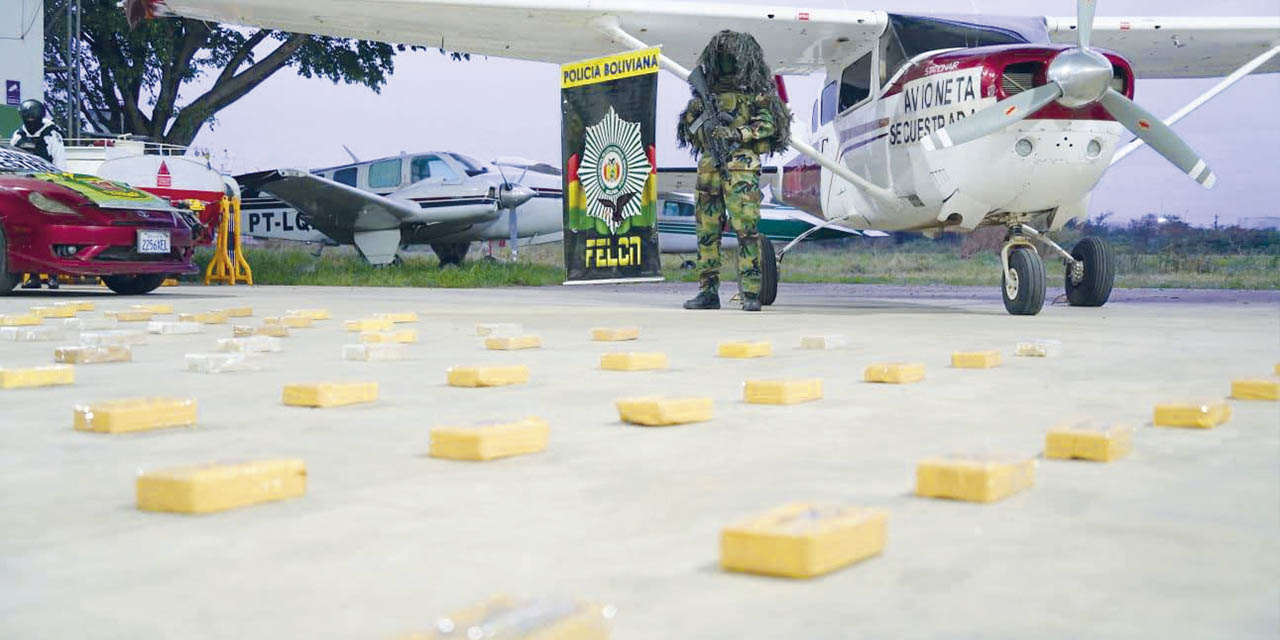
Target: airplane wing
<point>1181,47</point>
<point>331,205</point>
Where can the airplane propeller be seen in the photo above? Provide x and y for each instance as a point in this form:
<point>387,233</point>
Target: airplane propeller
<point>510,196</point>
<point>1079,77</point>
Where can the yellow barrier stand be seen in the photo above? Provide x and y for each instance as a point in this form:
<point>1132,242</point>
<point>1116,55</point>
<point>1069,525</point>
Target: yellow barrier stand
<point>228,265</point>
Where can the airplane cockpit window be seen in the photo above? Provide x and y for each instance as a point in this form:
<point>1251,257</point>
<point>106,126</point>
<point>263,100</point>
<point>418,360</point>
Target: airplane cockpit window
<point>918,35</point>
<point>855,83</point>
<point>470,165</point>
<point>828,103</point>
<point>892,57</point>
<point>674,208</point>
<point>385,174</point>
<point>424,167</point>
<point>345,176</point>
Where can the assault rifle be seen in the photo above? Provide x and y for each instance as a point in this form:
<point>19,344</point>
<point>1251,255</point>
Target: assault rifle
<point>707,121</point>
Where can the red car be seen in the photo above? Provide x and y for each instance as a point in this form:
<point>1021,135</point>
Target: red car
<point>77,225</point>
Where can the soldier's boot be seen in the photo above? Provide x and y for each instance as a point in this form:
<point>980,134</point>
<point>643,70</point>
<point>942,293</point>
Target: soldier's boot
<point>53,282</point>
<point>750,302</point>
<point>706,299</point>
<point>32,283</point>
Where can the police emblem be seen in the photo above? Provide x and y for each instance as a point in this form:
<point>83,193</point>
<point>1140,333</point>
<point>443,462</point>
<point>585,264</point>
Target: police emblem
<point>614,169</point>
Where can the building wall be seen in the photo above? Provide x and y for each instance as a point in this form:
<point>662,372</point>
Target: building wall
<point>21,58</point>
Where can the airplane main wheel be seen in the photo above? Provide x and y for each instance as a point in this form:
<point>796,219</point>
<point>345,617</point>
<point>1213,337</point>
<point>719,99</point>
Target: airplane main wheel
<point>7,280</point>
<point>768,272</point>
<point>1024,291</point>
<point>134,285</point>
<point>451,253</point>
<point>1092,287</point>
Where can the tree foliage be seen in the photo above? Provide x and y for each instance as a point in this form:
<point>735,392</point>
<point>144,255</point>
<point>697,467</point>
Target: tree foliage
<point>169,77</point>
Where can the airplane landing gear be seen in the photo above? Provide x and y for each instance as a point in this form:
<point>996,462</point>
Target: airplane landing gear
<point>1090,279</point>
<point>1023,289</point>
<point>450,253</point>
<point>1090,267</point>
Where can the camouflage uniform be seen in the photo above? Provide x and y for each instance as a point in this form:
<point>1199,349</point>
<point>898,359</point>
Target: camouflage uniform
<point>739,197</point>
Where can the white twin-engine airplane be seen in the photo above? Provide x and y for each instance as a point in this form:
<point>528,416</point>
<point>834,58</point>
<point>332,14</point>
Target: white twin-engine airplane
<point>926,123</point>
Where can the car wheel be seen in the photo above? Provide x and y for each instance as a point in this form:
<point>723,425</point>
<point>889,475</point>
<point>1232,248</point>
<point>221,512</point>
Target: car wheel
<point>768,272</point>
<point>7,280</point>
<point>134,285</point>
<point>1024,292</point>
<point>1093,286</point>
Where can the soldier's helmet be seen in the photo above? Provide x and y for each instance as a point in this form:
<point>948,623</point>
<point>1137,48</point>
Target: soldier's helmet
<point>32,113</point>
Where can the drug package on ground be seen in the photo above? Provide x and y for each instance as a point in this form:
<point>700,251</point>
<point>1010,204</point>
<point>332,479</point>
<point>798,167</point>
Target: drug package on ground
<point>135,414</point>
<point>85,354</point>
<point>489,376</point>
<point>330,394</point>
<point>1195,414</point>
<point>1038,348</point>
<point>894,372</point>
<point>20,320</point>
<point>512,343</point>
<point>153,308</point>
<point>37,333</point>
<point>822,342</point>
<point>803,540</point>
<point>314,314</point>
<point>1257,389</point>
<point>119,337</point>
<point>174,328</point>
<point>376,352</point>
<point>221,362</point>
<point>618,334</point>
<point>742,349</point>
<point>974,478</point>
<point>402,336</point>
<point>132,315</point>
<point>235,312</point>
<point>1084,440</point>
<point>489,441</point>
<point>664,412</point>
<point>633,361</point>
<point>398,317</point>
<point>288,322</point>
<point>17,378</point>
<point>250,344</point>
<point>976,359</point>
<point>368,324</point>
<point>210,488</point>
<point>782,391</point>
<point>54,311</point>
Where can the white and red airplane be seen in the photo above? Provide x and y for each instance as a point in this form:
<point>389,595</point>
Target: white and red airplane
<point>925,123</point>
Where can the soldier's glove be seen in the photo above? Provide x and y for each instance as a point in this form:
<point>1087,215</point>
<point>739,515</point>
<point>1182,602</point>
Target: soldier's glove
<point>726,133</point>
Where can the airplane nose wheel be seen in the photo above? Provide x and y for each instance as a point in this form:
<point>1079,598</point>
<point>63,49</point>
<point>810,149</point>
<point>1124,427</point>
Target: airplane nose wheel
<point>1024,281</point>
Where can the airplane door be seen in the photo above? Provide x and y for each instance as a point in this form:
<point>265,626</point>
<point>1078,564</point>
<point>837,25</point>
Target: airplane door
<point>826,140</point>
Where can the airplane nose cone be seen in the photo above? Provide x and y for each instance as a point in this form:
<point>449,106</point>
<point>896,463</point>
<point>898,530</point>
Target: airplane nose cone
<point>514,195</point>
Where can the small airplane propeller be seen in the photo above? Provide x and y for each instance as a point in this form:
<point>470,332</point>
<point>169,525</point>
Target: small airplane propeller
<point>510,196</point>
<point>1079,77</point>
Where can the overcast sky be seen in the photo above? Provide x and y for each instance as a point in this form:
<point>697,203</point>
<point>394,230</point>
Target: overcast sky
<point>490,107</point>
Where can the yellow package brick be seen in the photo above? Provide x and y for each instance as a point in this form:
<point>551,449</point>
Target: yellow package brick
<point>1194,415</point>
<point>486,442</point>
<point>633,361</point>
<point>493,376</point>
<point>132,315</point>
<point>82,354</point>
<point>330,394</point>
<point>288,322</point>
<point>1084,441</point>
<point>399,317</point>
<point>1277,371</point>
<point>803,540</point>
<point>211,488</point>
<point>204,317</point>
<point>976,359</point>
<point>135,414</point>
<point>512,343</point>
<point>738,349</point>
<point>782,391</point>
<point>545,618</point>
<point>980,478</point>
<point>24,320</point>
<point>403,336</point>
<point>272,330</point>
<point>77,305</point>
<point>1259,389</point>
<point>894,372</point>
<point>664,412</point>
<point>54,312</point>
<point>235,312</point>
<point>37,377</point>
<point>314,314</point>
<point>368,324</point>
<point>620,334</point>
<point>153,308</point>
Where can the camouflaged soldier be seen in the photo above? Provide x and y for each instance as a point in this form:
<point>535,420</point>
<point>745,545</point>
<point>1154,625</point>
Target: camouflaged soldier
<point>755,123</point>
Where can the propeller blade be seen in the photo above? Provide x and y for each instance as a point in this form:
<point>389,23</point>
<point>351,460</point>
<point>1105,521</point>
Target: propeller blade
<point>1159,136</point>
<point>994,118</point>
<point>1084,21</point>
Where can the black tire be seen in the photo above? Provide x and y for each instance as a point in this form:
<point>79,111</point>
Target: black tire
<point>7,280</point>
<point>1094,288</point>
<point>134,285</point>
<point>1028,291</point>
<point>768,272</point>
<point>451,253</point>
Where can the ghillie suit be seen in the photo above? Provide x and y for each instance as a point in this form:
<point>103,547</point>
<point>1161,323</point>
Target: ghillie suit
<point>754,122</point>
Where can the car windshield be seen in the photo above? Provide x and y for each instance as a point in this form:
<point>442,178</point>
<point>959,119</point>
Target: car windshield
<point>473,168</point>
<point>12,161</point>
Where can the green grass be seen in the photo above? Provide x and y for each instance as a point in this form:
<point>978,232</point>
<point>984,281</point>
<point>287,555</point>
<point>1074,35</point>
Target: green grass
<point>344,268</point>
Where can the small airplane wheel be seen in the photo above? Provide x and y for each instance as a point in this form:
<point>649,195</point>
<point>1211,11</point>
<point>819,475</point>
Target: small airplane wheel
<point>1091,286</point>
<point>1024,291</point>
<point>768,272</point>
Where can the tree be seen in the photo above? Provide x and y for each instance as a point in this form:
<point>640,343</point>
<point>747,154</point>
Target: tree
<point>153,80</point>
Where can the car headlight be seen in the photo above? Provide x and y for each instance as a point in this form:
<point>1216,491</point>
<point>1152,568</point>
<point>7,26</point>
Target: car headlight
<point>49,205</point>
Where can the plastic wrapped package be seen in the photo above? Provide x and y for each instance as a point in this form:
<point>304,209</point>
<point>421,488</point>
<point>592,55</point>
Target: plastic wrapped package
<point>368,324</point>
<point>894,372</point>
<point>1087,441</point>
<point>37,333</point>
<point>398,317</point>
<point>823,342</point>
<point>20,320</point>
<point>93,354</point>
<point>498,329</point>
<point>269,330</point>
<point>491,376</point>
<point>618,334</point>
<point>664,412</point>
<point>976,359</point>
<point>290,322</point>
<point>251,344</point>
<point>803,540</point>
<point>154,308</point>
<point>37,377</point>
<point>54,311</point>
<point>135,414</point>
<point>313,314</point>
<point>174,328</point>
<point>1038,349</point>
<point>204,317</point>
<point>210,488</point>
<point>490,441</point>
<point>633,361</point>
<point>782,391</point>
<point>330,394</point>
<point>507,618</point>
<point>132,315</point>
<point>90,324</point>
<point>1258,389</point>
<point>113,337</point>
<point>78,305</point>
<point>376,352</point>
<point>235,312</point>
<point>221,362</point>
<point>974,478</point>
<point>738,349</point>
<point>403,336</point>
<point>512,343</point>
<point>1203,414</point>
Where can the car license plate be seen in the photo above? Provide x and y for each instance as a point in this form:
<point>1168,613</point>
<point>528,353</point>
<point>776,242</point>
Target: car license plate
<point>151,241</point>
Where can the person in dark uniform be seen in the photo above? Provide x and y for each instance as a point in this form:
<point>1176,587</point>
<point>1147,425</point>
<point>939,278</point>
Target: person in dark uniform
<point>39,136</point>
